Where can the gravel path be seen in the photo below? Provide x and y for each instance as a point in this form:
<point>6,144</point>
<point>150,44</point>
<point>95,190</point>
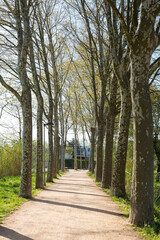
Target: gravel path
<point>73,208</point>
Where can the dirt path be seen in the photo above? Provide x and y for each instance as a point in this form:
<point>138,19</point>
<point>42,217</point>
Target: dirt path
<point>73,208</point>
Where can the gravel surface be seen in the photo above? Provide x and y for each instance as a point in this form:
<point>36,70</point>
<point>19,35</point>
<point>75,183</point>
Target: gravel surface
<point>72,208</point>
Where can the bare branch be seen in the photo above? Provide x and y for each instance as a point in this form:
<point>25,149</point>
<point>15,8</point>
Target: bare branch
<point>154,66</point>
<point>12,90</point>
<point>119,15</point>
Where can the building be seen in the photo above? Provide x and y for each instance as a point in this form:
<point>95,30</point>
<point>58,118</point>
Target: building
<point>69,156</point>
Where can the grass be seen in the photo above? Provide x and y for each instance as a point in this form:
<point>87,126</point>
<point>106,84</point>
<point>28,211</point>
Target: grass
<point>9,190</point>
<point>149,232</point>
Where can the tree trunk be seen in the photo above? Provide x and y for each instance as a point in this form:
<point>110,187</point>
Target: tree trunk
<point>56,93</point>
<point>80,157</point>
<point>142,184</point>
<point>92,150</point>
<point>62,154</point>
<point>58,156</point>
<point>107,169</point>
<point>50,160</point>
<point>84,146</point>
<point>39,164</point>
<point>26,174</point>
<point>56,147</point>
<point>63,143</point>
<point>99,160</point>
<point>75,149</point>
<point>49,116</point>
<point>118,179</point>
<point>22,27</point>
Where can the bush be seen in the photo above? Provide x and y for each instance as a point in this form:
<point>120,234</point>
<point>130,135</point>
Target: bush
<point>10,159</point>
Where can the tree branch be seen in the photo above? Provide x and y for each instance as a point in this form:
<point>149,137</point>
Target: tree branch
<point>12,90</point>
<point>119,15</point>
<point>154,66</point>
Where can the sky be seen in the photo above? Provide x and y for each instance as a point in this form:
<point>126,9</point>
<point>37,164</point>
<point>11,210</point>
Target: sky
<point>9,130</point>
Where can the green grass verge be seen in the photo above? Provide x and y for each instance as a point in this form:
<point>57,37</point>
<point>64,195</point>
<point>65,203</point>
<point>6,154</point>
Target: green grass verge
<point>148,232</point>
<point>9,190</point>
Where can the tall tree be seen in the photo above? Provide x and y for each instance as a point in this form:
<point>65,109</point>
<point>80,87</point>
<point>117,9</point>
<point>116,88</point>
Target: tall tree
<point>56,99</point>
<point>37,91</point>
<point>120,59</point>
<point>110,122</point>
<point>97,53</point>
<point>22,23</point>
<point>40,19</point>
<point>142,40</point>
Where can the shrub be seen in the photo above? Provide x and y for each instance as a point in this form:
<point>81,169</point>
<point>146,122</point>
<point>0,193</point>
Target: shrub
<point>10,159</point>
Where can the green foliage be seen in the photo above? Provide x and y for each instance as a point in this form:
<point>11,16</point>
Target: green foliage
<point>150,232</point>
<point>69,150</point>
<point>91,175</point>
<point>124,205</point>
<point>10,159</point>
<point>60,174</point>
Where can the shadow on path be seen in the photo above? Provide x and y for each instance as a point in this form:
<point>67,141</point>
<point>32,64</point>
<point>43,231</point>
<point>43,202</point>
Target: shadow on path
<point>76,180</point>
<point>79,207</point>
<point>81,185</point>
<point>89,194</point>
<point>11,234</point>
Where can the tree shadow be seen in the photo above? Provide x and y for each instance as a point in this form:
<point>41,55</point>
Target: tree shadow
<point>81,185</point>
<point>89,194</point>
<point>79,207</point>
<point>11,234</point>
<point>78,180</point>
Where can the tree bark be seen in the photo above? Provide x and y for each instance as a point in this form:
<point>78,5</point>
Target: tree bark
<point>75,148</point>
<point>56,138</point>
<point>92,150</point>
<point>84,146</point>
<point>99,157</point>
<point>63,144</point>
<point>26,172</point>
<point>50,160</point>
<point>118,179</point>
<point>145,41</point>
<point>49,116</point>
<point>26,103</point>
<point>58,157</point>
<point>39,163</point>
<point>80,157</point>
<point>56,93</point>
<point>102,65</point>
<point>39,160</point>
<point>142,183</point>
<point>107,169</point>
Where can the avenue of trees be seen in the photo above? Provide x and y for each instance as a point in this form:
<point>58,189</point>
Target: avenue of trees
<point>91,66</point>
